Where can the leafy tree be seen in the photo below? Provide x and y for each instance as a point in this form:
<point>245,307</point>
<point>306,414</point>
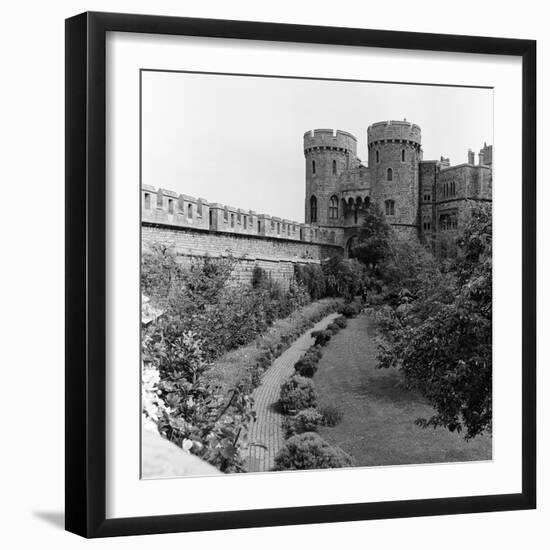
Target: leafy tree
<point>373,241</point>
<point>442,342</point>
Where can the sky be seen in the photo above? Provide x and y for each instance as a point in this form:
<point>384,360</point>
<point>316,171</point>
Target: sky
<point>238,140</point>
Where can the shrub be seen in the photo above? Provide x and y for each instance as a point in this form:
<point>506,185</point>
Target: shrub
<point>332,415</point>
<point>297,393</point>
<point>306,366</point>
<point>308,451</point>
<point>351,310</point>
<point>334,328</point>
<point>312,278</point>
<point>307,420</point>
<point>341,321</point>
<point>322,337</point>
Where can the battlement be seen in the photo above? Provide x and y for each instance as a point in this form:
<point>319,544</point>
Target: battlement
<point>324,138</point>
<point>394,130</point>
<point>166,207</point>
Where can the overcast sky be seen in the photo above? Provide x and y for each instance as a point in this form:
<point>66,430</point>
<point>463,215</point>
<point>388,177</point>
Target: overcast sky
<point>238,140</point>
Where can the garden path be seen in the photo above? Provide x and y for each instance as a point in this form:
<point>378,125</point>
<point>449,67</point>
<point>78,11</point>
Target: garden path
<point>266,434</point>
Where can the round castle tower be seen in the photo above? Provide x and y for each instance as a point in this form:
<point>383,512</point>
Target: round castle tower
<point>328,153</point>
<point>394,153</point>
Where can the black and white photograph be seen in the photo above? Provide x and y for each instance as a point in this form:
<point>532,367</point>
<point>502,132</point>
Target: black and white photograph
<point>316,273</point>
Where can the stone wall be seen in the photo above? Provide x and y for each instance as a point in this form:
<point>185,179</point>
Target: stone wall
<point>276,256</point>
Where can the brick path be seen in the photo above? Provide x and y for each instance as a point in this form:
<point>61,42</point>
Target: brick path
<point>266,435</point>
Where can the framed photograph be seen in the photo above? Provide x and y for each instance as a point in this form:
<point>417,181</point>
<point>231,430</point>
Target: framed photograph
<point>284,300</point>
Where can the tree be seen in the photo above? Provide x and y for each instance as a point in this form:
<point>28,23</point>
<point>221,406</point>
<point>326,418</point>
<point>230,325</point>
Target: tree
<point>444,348</point>
<point>372,244</point>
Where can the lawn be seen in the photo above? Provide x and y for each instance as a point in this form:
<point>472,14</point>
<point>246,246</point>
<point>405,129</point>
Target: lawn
<point>378,424</point>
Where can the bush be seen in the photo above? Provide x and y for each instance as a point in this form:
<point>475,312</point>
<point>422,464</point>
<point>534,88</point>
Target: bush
<point>312,278</point>
<point>321,337</point>
<point>307,420</point>
<point>306,366</point>
<point>332,415</point>
<point>341,321</point>
<point>308,451</point>
<point>351,310</point>
<point>297,393</point>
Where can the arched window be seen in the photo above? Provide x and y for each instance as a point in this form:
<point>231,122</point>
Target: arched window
<point>402,155</point>
<point>333,208</point>
<point>170,206</point>
<point>377,156</point>
<point>344,208</point>
<point>313,167</point>
<point>313,209</point>
<point>190,211</point>
<point>333,167</point>
<point>390,207</point>
<point>390,174</point>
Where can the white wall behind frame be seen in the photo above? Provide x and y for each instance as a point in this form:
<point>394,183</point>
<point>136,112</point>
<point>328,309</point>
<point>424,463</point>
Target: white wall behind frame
<point>31,110</point>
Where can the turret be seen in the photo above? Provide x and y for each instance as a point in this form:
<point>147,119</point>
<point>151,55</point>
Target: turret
<point>327,153</point>
<point>394,153</point>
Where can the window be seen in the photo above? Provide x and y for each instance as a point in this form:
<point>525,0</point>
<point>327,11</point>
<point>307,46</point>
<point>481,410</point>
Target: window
<point>239,219</point>
<point>390,174</point>
<point>278,228</point>
<point>199,208</point>
<point>427,224</point>
<point>259,226</point>
<point>402,155</point>
<point>210,218</point>
<point>160,200</point>
<point>190,211</point>
<point>333,167</point>
<point>225,215</point>
<point>245,220</point>
<point>313,209</point>
<point>170,206</point>
<point>377,156</point>
<point>232,219</point>
<point>333,208</point>
<point>390,207</point>
<point>427,197</point>
<point>448,221</point>
<point>313,167</point>
<point>147,201</point>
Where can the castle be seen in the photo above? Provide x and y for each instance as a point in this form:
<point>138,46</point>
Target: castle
<point>421,199</point>
<point>426,200</point>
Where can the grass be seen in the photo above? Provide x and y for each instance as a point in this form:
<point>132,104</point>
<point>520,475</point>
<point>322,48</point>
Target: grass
<point>250,361</point>
<point>378,426</point>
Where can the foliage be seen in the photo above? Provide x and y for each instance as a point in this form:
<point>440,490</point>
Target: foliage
<point>346,278</point>
<point>194,416</point>
<point>202,298</point>
<point>297,393</point>
<point>312,278</point>
<point>307,420</point>
<point>332,415</point>
<point>308,451</point>
<point>322,337</point>
<point>372,244</point>
<point>351,310</point>
<point>341,321</point>
<point>442,339</point>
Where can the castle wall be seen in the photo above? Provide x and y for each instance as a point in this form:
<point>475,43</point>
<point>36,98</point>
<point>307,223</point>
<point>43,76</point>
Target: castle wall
<point>278,257</point>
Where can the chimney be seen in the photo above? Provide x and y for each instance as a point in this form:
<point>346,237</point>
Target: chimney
<point>481,158</point>
<point>471,157</point>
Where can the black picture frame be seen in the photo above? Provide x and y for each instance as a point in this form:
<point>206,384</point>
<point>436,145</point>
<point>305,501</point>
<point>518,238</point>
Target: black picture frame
<point>86,284</point>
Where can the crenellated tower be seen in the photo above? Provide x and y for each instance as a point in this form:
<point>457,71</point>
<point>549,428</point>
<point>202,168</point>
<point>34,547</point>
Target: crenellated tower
<point>328,153</point>
<point>394,155</point>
